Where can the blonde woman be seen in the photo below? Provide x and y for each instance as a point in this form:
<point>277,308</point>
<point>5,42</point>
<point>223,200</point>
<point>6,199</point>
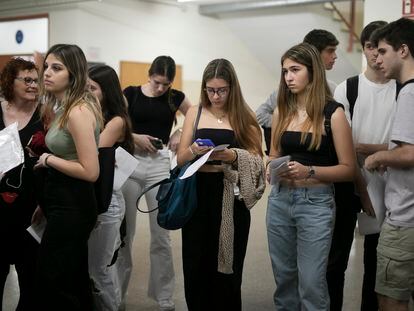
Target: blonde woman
<point>300,213</point>
<point>74,121</point>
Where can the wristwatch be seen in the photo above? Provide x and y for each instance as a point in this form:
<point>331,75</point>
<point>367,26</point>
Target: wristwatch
<point>311,172</point>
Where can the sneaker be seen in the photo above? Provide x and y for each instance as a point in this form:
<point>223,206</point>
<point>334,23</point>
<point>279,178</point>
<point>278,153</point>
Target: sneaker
<point>166,305</point>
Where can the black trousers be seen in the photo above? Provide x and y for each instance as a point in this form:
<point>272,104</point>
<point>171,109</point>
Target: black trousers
<point>25,264</point>
<point>369,300</point>
<point>347,207</point>
<point>205,287</point>
<point>62,274</point>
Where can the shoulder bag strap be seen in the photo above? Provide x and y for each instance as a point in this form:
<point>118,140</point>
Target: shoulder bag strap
<point>200,108</point>
<point>161,182</point>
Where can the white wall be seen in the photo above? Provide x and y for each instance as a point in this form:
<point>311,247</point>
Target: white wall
<point>387,10</point>
<point>270,32</point>
<point>140,31</point>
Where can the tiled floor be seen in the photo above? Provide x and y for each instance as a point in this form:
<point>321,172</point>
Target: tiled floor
<point>258,284</point>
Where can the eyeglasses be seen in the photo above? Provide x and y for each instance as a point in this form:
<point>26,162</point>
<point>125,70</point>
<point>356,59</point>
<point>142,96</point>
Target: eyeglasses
<point>27,80</point>
<point>221,91</point>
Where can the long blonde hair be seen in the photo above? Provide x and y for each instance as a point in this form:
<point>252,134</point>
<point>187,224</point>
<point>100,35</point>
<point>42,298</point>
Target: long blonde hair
<point>316,96</point>
<point>242,119</point>
<point>77,92</point>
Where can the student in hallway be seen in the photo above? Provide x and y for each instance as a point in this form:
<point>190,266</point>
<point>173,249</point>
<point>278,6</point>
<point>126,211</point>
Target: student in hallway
<point>152,108</point>
<point>301,207</point>
<point>369,101</point>
<point>73,118</point>
<point>395,252</point>
<point>105,239</point>
<point>214,240</point>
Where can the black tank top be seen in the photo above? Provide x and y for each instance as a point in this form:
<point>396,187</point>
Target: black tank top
<point>290,144</point>
<point>324,156</point>
<point>218,137</point>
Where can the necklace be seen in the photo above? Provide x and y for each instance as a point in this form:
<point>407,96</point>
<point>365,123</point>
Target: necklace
<point>218,117</point>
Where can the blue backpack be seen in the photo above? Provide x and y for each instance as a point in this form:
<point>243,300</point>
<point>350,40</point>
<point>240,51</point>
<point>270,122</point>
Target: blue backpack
<point>177,198</point>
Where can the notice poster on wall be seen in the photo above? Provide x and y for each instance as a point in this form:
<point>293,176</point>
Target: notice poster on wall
<point>408,8</point>
<point>24,36</point>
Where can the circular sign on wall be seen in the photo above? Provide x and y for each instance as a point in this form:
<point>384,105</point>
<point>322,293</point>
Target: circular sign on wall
<point>19,36</point>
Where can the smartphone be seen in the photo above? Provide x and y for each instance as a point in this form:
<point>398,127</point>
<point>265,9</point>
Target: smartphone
<point>157,143</point>
<point>205,142</point>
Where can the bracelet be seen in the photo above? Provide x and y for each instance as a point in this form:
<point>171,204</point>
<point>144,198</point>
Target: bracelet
<point>47,157</point>
<point>311,172</point>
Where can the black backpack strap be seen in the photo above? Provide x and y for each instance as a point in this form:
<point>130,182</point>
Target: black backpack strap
<point>161,182</point>
<point>352,92</point>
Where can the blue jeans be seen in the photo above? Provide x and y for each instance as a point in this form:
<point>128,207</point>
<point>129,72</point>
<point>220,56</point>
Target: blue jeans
<point>299,223</point>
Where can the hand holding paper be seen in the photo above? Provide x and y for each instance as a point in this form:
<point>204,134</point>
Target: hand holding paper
<point>200,162</point>
<point>11,151</point>
<point>278,166</point>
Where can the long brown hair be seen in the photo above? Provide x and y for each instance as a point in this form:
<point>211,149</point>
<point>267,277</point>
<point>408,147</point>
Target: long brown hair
<point>77,92</point>
<point>317,95</point>
<point>242,119</point>
<point>113,103</point>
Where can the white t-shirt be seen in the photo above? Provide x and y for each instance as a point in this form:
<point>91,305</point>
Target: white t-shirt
<point>399,189</point>
<point>373,110</point>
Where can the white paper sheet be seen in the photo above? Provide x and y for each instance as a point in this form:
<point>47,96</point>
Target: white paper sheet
<point>200,162</point>
<point>11,151</point>
<point>368,224</point>
<point>278,166</point>
<point>125,165</point>
<point>376,192</point>
<point>37,230</point>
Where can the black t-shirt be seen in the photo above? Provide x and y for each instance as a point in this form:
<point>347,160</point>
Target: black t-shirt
<point>153,115</point>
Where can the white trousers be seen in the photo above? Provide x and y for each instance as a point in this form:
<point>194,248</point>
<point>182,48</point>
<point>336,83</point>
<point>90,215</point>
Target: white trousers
<point>151,169</point>
<point>103,242</point>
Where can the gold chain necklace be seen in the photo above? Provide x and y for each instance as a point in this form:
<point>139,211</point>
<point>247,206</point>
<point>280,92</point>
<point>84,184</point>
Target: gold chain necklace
<point>218,117</point>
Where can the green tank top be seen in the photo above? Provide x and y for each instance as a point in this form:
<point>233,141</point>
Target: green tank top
<point>60,141</point>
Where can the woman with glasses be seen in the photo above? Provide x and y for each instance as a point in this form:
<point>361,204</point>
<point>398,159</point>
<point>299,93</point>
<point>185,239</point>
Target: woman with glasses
<point>152,108</point>
<point>228,185</point>
<point>312,129</point>
<point>18,202</point>
<point>74,120</point>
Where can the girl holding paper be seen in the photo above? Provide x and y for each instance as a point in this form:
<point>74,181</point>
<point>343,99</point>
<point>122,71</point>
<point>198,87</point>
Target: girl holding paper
<point>215,238</point>
<point>105,239</point>
<point>74,120</point>
<point>301,206</point>
<point>18,200</point>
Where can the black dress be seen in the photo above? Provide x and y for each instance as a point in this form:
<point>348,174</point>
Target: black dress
<point>205,288</point>
<point>17,203</point>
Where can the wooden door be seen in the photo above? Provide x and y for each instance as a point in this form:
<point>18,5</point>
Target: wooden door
<point>135,73</point>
